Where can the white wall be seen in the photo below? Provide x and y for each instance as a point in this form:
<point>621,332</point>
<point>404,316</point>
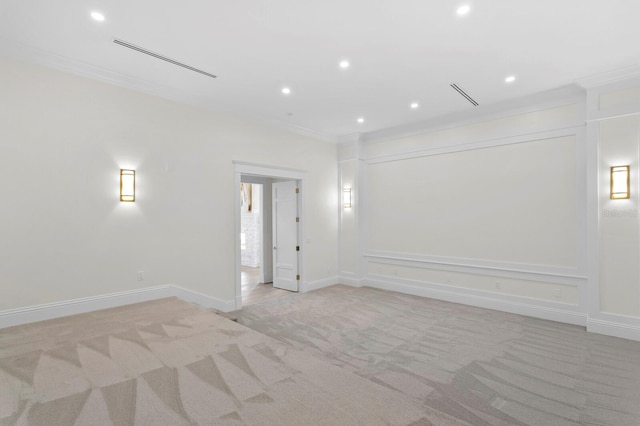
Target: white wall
<point>489,211</point>
<point>65,235</point>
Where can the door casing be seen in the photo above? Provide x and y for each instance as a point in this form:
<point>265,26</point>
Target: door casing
<point>253,169</point>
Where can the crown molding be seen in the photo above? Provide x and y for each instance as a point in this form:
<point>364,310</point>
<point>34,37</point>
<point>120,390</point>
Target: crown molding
<point>609,77</point>
<point>349,138</point>
<point>550,98</point>
<point>27,53</point>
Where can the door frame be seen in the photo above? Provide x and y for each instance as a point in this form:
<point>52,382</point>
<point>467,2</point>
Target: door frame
<point>267,171</point>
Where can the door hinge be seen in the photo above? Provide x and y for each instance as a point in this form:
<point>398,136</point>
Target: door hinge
<point>298,277</point>
<point>297,219</point>
<point>297,190</point>
<point>297,248</point>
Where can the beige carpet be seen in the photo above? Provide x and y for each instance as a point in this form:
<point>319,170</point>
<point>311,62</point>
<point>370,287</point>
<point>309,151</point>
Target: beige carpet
<point>480,366</point>
<point>170,363</point>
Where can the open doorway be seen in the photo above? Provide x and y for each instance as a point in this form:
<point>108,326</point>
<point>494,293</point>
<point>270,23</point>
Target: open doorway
<point>266,250</point>
<point>256,236</point>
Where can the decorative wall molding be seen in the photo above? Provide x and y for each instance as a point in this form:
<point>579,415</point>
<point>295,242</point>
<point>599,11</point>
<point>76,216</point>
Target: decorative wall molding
<point>83,305</point>
<point>513,304</point>
<point>554,275</point>
<point>569,120</point>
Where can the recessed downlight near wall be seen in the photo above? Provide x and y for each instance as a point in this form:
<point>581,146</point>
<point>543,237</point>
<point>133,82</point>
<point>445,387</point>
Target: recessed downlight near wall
<point>344,64</point>
<point>414,105</point>
<point>510,79</point>
<point>360,120</point>
<point>463,9</point>
<point>97,16</point>
<point>286,91</point>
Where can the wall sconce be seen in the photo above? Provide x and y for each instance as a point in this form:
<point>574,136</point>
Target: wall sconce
<point>620,181</point>
<point>127,185</point>
<point>346,198</point>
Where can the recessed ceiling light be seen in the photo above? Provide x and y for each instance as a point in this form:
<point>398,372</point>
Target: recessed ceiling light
<point>414,105</point>
<point>360,120</point>
<point>97,16</point>
<point>344,64</point>
<point>286,90</point>
<point>463,10</point>
<point>510,79</point>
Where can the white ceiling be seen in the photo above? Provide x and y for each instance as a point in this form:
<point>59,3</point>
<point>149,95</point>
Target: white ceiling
<point>400,51</point>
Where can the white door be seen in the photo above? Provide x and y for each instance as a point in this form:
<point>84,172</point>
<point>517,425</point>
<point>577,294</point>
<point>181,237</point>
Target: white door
<point>285,235</point>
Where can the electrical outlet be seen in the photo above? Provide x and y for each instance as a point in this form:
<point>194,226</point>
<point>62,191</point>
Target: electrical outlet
<point>140,275</point>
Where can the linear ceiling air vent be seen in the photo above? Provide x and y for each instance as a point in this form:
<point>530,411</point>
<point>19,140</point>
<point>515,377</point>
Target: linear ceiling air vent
<point>164,58</point>
<point>464,94</point>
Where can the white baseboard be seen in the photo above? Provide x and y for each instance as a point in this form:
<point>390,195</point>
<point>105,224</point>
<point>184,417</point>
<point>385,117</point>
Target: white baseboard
<point>608,324</point>
<point>65,308</point>
<point>203,300</point>
<point>318,284</point>
<point>515,305</point>
<point>616,326</point>
<point>82,305</point>
<point>350,281</point>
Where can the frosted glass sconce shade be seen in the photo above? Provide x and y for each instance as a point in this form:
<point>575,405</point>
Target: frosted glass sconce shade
<point>620,183</point>
<point>346,198</point>
<point>127,185</point>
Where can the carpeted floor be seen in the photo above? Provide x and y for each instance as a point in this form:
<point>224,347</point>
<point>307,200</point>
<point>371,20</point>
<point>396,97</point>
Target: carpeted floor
<point>480,366</point>
<point>170,363</point>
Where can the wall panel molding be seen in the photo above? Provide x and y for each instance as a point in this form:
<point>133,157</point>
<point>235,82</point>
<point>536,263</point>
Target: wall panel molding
<point>564,276</point>
<point>566,313</point>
